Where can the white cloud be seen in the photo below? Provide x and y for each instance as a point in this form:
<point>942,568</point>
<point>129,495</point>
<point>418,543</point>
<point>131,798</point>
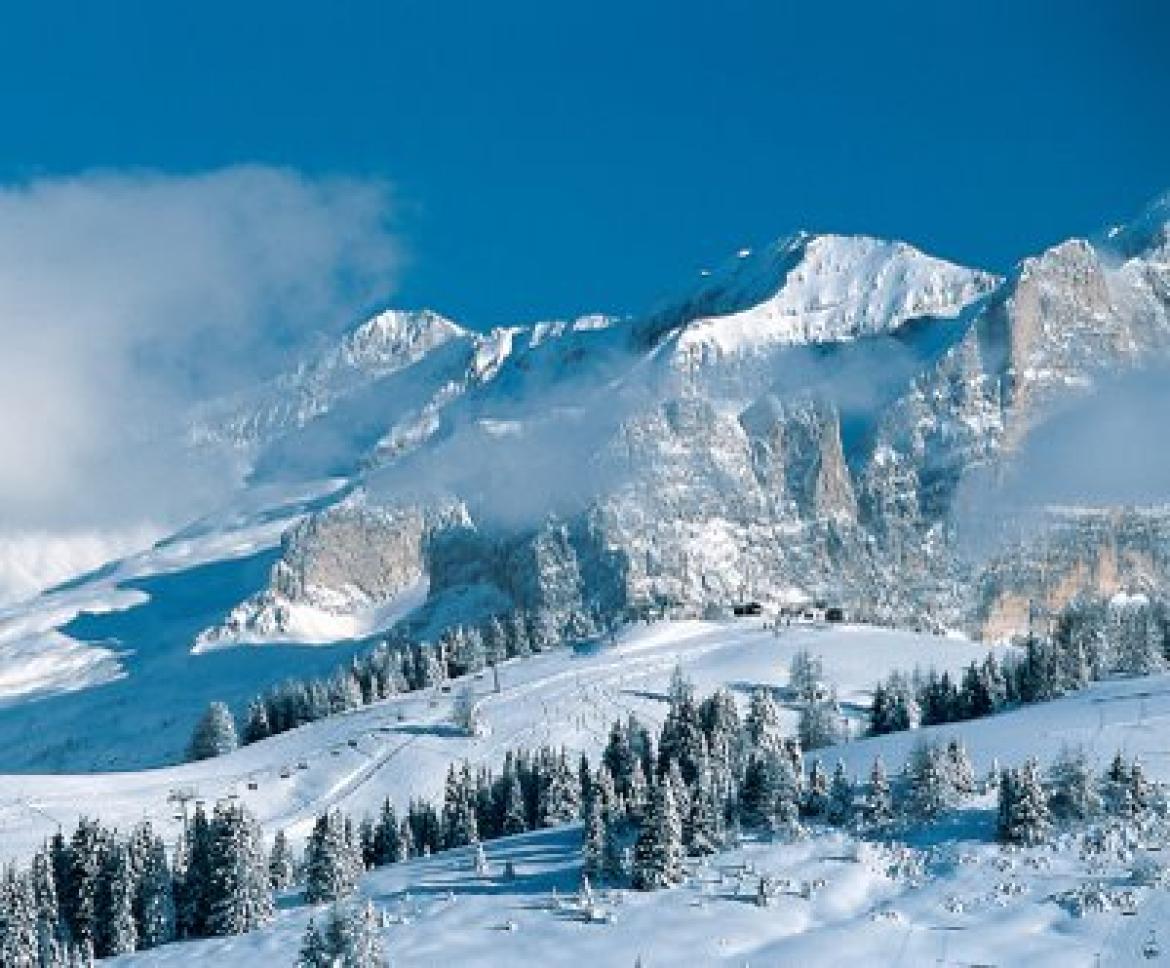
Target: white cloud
<point>1096,450</point>
<point>126,298</point>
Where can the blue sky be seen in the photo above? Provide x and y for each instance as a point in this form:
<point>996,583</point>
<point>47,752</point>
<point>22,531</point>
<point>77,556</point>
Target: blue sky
<point>553,158</point>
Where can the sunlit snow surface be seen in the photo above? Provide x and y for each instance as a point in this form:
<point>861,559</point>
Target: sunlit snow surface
<point>402,746</point>
<point>968,902</point>
<point>963,900</point>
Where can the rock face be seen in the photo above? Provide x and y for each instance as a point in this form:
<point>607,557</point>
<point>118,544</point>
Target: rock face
<point>1084,553</point>
<point>345,564</point>
<point>728,448</point>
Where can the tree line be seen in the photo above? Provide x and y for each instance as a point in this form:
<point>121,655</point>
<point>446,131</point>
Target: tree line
<point>1091,640</point>
<point>98,893</point>
<point>390,668</point>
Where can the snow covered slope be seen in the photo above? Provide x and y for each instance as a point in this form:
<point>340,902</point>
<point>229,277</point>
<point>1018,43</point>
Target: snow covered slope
<point>401,748</point>
<point>970,906</point>
<point>798,425</point>
<point>820,289</point>
<point>948,894</point>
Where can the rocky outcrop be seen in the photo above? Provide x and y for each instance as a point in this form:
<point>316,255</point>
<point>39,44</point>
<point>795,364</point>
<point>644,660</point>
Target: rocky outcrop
<point>719,468</point>
<point>339,574</point>
<point>1092,554</point>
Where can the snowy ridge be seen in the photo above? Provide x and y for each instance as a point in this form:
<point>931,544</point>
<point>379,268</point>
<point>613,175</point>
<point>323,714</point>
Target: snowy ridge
<point>819,289</point>
<point>382,345</point>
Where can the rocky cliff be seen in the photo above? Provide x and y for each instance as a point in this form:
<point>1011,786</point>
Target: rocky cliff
<point>802,424</point>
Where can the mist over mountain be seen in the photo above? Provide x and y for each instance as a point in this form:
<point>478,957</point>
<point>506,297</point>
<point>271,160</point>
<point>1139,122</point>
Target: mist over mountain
<point>829,417</point>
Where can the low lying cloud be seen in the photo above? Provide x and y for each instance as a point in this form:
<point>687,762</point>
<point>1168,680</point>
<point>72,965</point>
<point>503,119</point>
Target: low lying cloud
<point>1102,449</point>
<point>127,298</point>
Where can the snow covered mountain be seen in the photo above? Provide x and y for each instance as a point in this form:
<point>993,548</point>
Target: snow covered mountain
<point>810,289</point>
<point>827,418</point>
<point>649,395</point>
<point>803,423</point>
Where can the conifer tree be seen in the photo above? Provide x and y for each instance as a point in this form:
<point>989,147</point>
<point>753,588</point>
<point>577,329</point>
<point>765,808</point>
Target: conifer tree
<point>681,739</point>
<point>593,847</point>
<point>820,723</point>
<point>560,796</point>
<point>658,852</point>
<point>759,790</point>
<point>1137,635</point>
<point>386,846</point>
<point>1137,792</point>
<point>619,758</point>
<point>518,641</point>
<point>215,733</point>
<point>1115,786</point>
<point>60,863</point>
<point>877,808</point>
<point>816,794</point>
<point>974,698</point>
<point>359,940</point>
<point>117,932</point>
<point>638,795</point>
<point>605,791</point>
<point>719,717</point>
<point>348,938</point>
<point>584,784</point>
<point>613,858</point>
<point>704,831</point>
<point>314,953</point>
<point>460,827</point>
<point>785,819</point>
<point>839,811</point>
<point>1023,807</point>
<point>682,794</point>
<point>928,789</point>
<point>239,886</point>
<point>48,916</point>
<point>994,682</point>
<point>882,712</point>
<point>192,873</point>
<point>1074,793</point>
<point>330,865</point>
<point>155,902</point>
<point>960,772</point>
<point>406,848</point>
<point>257,725</point>
<point>281,866</point>
<point>514,815</point>
<point>762,723</point>
<point>79,904</point>
<point>19,942</point>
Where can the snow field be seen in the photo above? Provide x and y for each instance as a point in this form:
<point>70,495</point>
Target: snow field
<point>402,747</point>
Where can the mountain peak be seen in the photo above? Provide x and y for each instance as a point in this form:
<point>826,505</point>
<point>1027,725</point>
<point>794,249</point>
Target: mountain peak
<point>394,334</point>
<point>817,288</point>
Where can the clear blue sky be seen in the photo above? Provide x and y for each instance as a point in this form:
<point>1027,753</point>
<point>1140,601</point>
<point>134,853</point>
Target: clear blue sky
<point>557,157</point>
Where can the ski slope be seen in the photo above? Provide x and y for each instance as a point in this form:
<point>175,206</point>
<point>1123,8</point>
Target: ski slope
<point>401,747</point>
<point>951,897</point>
